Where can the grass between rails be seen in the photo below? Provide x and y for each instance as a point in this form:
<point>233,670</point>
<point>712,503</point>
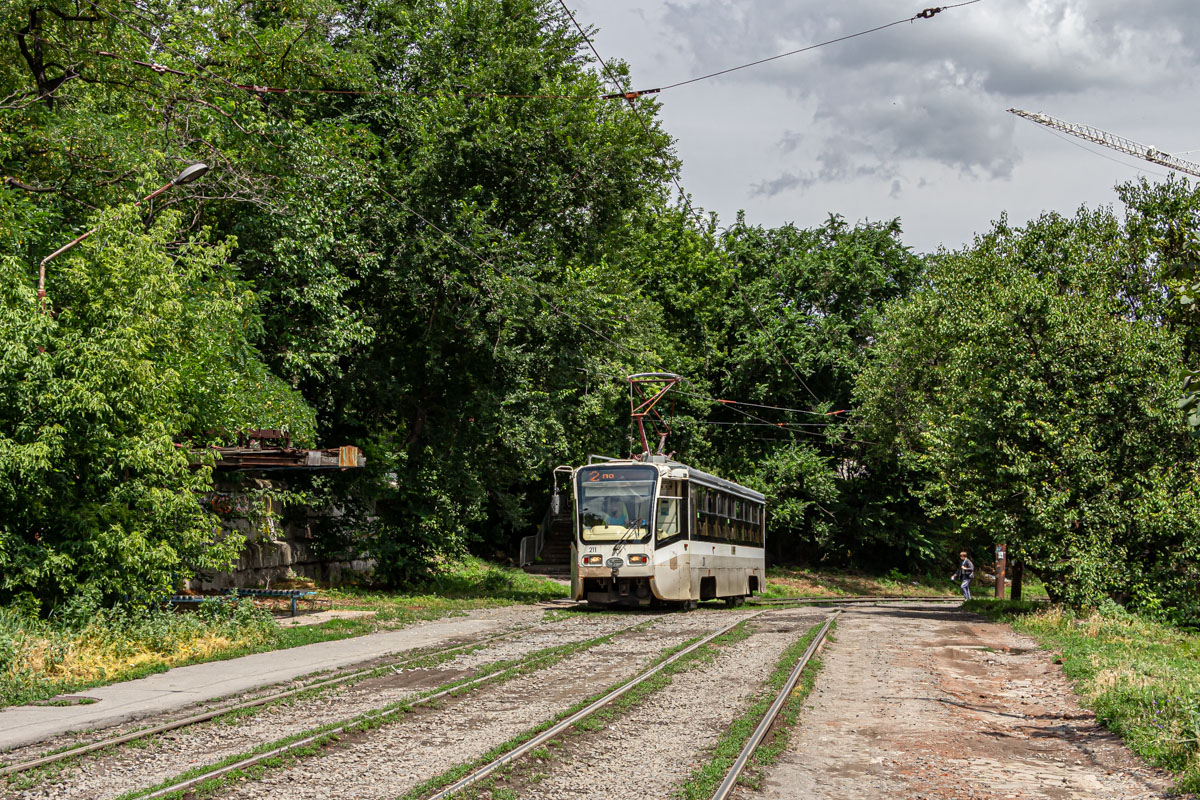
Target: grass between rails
<point>1141,678</point>
<point>704,780</point>
<point>94,647</point>
<point>494,786</point>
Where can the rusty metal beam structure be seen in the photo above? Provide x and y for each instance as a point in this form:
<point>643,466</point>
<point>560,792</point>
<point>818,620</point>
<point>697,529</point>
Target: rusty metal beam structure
<point>253,453</point>
<point>241,459</point>
<point>643,397</point>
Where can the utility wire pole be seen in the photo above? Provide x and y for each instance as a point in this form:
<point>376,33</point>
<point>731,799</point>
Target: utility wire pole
<point>1113,142</point>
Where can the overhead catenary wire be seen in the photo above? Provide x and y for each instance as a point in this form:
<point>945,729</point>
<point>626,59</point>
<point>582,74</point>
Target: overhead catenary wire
<point>631,96</point>
<point>622,93</point>
<point>684,422</point>
<point>767,407</point>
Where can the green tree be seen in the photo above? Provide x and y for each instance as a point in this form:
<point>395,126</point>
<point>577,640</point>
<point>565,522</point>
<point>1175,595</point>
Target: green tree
<point>144,347</point>
<point>783,317</point>
<point>1028,385</point>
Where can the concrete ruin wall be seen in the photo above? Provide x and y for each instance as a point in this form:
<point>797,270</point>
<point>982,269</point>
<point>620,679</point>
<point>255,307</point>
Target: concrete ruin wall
<point>272,550</point>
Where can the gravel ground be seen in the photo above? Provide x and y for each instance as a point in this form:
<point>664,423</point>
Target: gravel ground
<point>656,745</point>
<point>928,703</point>
<point>387,762</point>
<point>505,617</point>
<point>111,774</point>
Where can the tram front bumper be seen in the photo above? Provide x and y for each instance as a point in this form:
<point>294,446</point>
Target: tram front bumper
<point>623,572</point>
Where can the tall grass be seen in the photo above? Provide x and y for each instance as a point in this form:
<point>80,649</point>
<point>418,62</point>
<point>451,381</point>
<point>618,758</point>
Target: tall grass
<point>83,645</point>
<point>40,657</point>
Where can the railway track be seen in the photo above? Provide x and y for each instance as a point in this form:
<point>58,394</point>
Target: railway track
<point>852,599</point>
<point>739,765</point>
<point>564,724</point>
<point>363,725</point>
<point>726,788</point>
<point>262,700</point>
<point>330,733</point>
<point>307,689</point>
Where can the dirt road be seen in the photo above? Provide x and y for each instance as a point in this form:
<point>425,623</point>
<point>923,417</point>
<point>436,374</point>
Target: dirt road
<point>928,703</point>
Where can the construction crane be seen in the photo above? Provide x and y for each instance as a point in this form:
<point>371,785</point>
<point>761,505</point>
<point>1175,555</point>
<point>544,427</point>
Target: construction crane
<point>1111,140</point>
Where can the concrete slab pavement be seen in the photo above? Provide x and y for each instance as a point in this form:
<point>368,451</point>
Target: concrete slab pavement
<point>185,686</point>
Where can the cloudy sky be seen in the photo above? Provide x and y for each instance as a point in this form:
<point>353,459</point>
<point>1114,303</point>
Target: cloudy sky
<point>909,122</point>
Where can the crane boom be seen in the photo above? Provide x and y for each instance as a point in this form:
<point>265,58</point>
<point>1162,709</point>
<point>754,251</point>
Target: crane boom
<point>1111,140</point>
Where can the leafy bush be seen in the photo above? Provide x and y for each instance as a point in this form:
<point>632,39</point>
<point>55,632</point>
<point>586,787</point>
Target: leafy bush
<point>146,343</point>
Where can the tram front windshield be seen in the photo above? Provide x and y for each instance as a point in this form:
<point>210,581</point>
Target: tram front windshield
<point>614,503</point>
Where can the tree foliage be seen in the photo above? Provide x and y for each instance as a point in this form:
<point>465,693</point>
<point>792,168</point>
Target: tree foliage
<point>1029,384</point>
<point>147,345</point>
<point>425,233</point>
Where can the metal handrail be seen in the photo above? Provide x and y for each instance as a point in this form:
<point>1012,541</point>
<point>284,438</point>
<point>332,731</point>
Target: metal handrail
<point>537,542</point>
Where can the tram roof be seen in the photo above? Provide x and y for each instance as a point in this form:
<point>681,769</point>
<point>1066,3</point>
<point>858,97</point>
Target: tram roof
<point>693,474</point>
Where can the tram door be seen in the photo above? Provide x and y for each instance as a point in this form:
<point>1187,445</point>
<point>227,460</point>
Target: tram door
<point>671,518</point>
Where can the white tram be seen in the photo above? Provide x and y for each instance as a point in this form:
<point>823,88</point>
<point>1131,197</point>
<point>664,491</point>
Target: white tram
<point>654,530</point>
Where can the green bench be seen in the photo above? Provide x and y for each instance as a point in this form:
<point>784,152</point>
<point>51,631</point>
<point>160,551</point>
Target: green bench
<point>293,595</point>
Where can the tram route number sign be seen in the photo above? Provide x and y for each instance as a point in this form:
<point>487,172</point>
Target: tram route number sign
<point>596,475</point>
<point>616,562</point>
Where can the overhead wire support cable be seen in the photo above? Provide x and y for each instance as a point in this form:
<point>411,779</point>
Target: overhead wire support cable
<point>621,94</point>
<point>927,13</point>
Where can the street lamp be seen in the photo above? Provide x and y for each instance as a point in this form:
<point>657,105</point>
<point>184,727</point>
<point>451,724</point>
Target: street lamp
<point>188,175</point>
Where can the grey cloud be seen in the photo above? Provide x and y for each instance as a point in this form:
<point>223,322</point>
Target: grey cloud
<point>839,160</point>
<point>784,183</point>
<point>935,89</point>
<point>791,141</point>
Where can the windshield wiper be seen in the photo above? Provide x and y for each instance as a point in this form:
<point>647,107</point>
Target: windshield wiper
<point>632,529</point>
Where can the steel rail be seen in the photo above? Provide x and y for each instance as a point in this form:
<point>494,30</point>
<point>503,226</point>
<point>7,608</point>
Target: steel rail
<point>590,709</point>
<point>774,601</point>
<point>314,738</point>
<point>133,736</point>
<point>727,786</point>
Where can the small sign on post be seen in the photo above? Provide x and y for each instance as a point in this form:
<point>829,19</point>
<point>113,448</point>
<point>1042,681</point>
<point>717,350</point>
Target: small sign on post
<point>1001,558</point>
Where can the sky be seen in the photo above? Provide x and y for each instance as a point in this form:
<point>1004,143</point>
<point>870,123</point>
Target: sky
<point>910,121</point>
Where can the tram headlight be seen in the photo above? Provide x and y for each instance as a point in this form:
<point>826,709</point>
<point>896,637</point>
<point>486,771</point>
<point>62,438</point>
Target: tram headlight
<point>592,559</point>
<point>637,558</point>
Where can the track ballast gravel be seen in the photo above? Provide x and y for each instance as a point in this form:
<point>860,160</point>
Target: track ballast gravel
<point>387,762</point>
<point>111,774</point>
<point>655,746</point>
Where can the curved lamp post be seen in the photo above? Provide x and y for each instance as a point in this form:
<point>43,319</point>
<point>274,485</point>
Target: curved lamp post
<point>188,175</point>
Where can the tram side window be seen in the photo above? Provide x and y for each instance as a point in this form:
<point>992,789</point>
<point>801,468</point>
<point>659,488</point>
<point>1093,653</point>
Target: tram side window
<point>668,521</point>
<point>722,517</point>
